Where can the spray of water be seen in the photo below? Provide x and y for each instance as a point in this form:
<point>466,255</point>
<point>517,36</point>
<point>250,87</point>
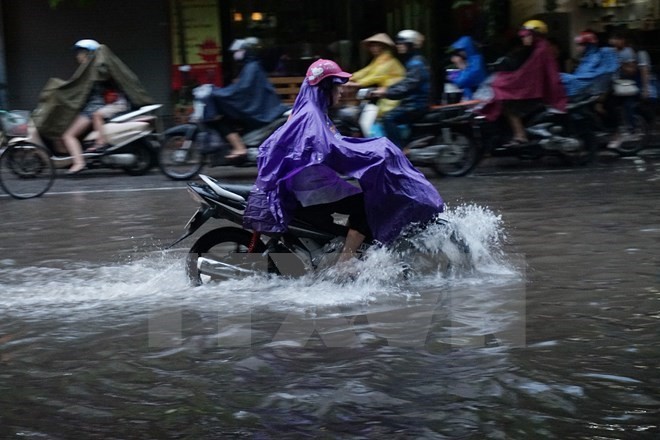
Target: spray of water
<point>159,278</point>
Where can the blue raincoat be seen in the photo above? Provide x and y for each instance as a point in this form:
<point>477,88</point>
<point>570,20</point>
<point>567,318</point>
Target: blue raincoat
<point>594,73</point>
<point>395,193</point>
<point>251,99</point>
<point>470,78</point>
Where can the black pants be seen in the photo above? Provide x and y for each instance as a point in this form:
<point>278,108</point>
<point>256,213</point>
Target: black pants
<point>321,215</point>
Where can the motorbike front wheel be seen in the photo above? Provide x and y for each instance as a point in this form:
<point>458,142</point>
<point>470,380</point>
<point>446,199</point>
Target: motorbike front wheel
<point>26,170</point>
<point>457,154</point>
<point>222,254</point>
<point>179,158</point>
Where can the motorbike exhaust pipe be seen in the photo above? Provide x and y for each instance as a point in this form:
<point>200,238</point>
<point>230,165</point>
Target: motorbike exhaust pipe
<point>121,160</point>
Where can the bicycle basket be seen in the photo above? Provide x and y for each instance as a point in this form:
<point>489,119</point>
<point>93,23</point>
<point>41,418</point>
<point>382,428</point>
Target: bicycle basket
<point>15,122</point>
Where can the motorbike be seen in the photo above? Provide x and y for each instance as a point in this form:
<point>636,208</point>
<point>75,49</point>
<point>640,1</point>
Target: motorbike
<point>440,139</point>
<point>132,143</point>
<point>188,147</point>
<point>230,252</point>
<point>568,135</point>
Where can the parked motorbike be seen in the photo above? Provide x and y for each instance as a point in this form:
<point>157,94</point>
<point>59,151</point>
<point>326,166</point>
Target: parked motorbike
<point>131,137</point>
<point>440,140</point>
<point>231,251</point>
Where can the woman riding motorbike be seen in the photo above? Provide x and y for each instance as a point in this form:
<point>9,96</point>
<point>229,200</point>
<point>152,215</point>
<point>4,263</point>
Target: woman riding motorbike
<point>299,167</point>
<point>247,103</point>
<point>66,109</point>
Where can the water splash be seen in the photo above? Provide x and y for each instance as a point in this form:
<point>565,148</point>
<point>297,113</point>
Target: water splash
<point>159,278</point>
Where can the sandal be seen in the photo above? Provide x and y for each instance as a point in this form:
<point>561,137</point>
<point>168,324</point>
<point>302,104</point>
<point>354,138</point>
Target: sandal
<point>73,171</point>
<point>236,158</point>
<point>515,142</point>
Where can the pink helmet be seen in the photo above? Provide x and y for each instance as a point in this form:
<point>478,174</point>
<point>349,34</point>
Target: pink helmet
<point>322,69</point>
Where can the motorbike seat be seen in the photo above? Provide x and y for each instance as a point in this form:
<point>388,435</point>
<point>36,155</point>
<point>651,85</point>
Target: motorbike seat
<point>113,128</point>
<point>242,190</point>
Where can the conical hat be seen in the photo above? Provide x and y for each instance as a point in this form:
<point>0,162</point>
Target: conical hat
<point>379,38</point>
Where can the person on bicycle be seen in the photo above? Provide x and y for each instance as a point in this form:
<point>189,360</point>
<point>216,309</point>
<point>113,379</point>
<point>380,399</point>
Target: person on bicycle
<point>301,164</point>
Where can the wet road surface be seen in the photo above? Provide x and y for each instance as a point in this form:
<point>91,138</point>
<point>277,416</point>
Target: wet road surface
<point>554,335</point>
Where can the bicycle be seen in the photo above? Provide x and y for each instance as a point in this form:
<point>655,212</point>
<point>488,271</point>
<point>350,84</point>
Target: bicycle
<point>26,169</point>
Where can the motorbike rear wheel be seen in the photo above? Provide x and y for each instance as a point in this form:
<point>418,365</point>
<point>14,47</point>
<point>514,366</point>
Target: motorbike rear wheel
<point>179,161</point>
<point>222,254</point>
<point>145,157</point>
<point>26,170</point>
<point>457,157</point>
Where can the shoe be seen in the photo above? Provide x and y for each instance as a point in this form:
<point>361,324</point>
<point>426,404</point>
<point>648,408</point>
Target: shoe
<point>513,143</point>
<point>71,172</point>
<point>614,144</point>
<point>236,158</point>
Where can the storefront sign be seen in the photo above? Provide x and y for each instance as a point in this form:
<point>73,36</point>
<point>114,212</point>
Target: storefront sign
<point>196,50</point>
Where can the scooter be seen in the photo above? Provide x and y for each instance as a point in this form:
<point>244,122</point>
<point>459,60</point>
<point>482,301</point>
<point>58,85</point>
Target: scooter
<point>132,143</point>
<point>440,139</point>
<point>188,147</point>
<point>231,252</point>
<point>568,135</point>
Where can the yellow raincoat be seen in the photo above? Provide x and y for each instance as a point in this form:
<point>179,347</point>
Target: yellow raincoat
<point>383,71</point>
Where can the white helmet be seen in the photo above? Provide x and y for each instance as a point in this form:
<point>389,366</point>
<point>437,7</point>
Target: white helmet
<point>243,44</point>
<point>87,44</point>
<point>410,36</point>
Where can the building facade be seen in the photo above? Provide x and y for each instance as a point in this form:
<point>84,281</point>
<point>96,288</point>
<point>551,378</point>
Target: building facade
<point>156,38</point>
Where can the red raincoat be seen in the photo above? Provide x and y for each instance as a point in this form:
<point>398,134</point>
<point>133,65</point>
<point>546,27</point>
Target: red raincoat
<point>537,78</point>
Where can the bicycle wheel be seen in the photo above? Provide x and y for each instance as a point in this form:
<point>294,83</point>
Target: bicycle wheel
<point>26,170</point>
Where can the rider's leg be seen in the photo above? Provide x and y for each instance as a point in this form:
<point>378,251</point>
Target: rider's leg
<point>354,239</point>
<point>70,138</point>
<point>517,127</point>
<point>391,122</point>
<point>238,147</point>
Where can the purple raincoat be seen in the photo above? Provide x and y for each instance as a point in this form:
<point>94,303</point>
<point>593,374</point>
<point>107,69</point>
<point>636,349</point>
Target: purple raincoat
<point>395,193</point>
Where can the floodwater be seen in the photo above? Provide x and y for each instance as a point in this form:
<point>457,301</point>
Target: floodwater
<point>553,335</point>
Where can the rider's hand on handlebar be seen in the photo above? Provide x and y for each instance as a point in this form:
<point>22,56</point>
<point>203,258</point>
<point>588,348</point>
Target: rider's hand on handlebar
<point>378,93</point>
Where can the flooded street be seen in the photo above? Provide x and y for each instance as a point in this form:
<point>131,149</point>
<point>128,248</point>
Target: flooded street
<point>553,335</point>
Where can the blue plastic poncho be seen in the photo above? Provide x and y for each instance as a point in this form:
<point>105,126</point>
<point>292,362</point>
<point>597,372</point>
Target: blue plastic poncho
<point>594,73</point>
<point>251,99</point>
<point>395,193</point>
<point>470,78</point>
